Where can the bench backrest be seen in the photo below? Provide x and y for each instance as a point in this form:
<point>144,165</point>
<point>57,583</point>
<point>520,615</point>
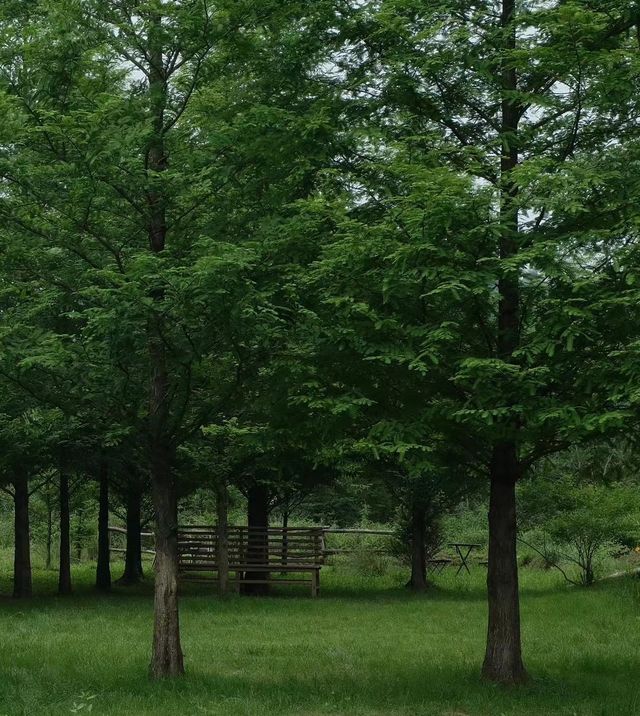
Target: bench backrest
<point>271,546</point>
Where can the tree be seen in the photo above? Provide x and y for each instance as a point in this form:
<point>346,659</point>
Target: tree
<point>143,132</point>
<point>509,98</point>
<point>22,441</point>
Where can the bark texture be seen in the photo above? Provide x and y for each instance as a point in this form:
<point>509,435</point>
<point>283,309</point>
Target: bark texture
<point>503,658</point>
<point>166,659</point>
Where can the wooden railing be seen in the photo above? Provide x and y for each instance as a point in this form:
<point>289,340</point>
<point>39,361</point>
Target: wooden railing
<point>253,553</point>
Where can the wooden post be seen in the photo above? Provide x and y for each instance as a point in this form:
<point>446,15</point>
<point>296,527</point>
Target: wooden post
<point>285,539</point>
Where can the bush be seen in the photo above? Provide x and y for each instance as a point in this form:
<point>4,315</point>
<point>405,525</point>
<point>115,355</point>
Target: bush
<point>368,563</point>
<point>576,523</point>
<point>364,554</point>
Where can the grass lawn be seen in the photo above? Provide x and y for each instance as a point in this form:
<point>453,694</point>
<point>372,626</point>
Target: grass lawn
<point>364,647</point>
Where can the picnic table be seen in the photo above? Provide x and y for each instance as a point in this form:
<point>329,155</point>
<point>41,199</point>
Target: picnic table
<point>464,549</point>
<point>438,564</point>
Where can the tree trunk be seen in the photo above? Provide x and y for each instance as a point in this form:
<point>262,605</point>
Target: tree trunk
<point>166,659</point>
<point>418,581</point>
<point>64,574</point>
<point>133,551</point>
<point>222,512</point>
<point>49,538</point>
<point>258,544</point>
<point>503,658</point>
<point>103,569</point>
<point>22,543</point>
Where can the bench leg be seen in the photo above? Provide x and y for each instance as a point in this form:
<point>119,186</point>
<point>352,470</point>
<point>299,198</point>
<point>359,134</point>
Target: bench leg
<point>315,583</point>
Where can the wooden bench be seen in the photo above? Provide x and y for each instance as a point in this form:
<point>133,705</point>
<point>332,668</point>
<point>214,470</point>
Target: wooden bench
<point>257,555</point>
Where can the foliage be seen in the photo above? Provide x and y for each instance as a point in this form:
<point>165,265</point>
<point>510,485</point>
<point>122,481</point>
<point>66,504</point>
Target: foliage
<point>362,254</point>
<point>570,519</point>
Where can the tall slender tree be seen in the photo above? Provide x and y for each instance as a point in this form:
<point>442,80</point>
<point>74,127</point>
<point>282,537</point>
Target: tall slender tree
<point>509,96</point>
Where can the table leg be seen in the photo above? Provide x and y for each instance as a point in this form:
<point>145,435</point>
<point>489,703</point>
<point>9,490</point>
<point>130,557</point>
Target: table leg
<point>463,560</point>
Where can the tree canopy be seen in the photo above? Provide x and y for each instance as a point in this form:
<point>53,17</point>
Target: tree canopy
<point>300,244</point>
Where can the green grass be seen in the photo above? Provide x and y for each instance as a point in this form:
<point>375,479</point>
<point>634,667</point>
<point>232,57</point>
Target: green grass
<point>364,647</point>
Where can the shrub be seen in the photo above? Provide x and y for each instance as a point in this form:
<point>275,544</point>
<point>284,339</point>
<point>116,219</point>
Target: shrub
<point>577,523</point>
